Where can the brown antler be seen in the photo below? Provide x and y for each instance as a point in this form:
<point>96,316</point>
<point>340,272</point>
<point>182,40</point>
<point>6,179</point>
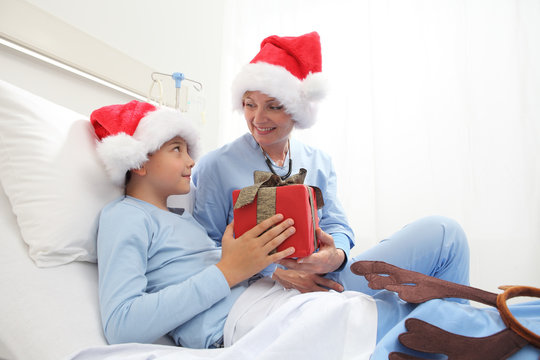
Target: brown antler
<point>415,287</point>
<point>421,336</point>
<point>402,356</point>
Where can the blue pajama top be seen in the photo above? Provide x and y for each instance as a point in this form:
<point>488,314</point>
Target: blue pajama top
<point>157,275</point>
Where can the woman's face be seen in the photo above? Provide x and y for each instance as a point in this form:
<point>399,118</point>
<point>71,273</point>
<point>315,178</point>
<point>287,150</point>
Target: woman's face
<point>267,120</point>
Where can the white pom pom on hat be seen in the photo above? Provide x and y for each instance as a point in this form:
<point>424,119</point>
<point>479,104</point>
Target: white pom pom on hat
<point>288,69</point>
<point>127,133</point>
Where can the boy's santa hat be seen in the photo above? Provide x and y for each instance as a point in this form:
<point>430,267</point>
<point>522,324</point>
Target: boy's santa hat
<point>288,69</point>
<point>128,133</point>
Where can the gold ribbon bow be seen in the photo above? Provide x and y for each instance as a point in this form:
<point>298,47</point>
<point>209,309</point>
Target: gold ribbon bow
<point>264,188</point>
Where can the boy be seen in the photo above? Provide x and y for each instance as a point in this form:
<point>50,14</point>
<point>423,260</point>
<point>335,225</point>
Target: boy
<point>158,271</point>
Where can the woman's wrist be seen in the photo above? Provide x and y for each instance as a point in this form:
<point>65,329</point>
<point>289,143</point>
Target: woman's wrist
<point>342,260</point>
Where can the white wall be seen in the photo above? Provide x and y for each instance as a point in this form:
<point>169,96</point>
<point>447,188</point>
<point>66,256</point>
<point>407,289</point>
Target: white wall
<point>167,35</point>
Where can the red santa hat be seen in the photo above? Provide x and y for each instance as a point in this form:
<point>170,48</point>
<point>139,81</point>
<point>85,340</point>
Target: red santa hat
<point>127,133</point>
<point>288,69</point>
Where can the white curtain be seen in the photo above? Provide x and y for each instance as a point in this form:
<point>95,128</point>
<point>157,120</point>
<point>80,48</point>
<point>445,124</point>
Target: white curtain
<point>434,108</point>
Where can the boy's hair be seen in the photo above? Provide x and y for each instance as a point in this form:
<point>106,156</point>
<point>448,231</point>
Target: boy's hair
<point>127,133</point>
<point>128,178</point>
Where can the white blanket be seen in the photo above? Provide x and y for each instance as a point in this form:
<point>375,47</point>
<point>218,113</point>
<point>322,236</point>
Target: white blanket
<point>308,326</point>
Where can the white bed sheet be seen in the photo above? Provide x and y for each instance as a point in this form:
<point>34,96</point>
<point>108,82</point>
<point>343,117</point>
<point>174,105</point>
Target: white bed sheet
<point>308,326</point>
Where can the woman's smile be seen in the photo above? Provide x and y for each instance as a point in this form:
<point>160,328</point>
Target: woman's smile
<point>264,130</point>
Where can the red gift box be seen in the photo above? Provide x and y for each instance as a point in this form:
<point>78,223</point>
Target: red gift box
<point>293,201</point>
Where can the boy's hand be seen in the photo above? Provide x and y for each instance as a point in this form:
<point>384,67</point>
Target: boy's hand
<point>249,254</point>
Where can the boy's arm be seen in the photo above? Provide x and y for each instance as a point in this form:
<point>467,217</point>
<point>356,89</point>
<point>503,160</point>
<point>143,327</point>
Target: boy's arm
<point>129,313</point>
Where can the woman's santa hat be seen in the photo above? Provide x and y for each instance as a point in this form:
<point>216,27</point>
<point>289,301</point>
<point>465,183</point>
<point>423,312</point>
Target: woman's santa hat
<point>288,69</point>
<point>128,133</point>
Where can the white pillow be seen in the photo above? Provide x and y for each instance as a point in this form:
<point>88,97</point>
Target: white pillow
<point>52,176</point>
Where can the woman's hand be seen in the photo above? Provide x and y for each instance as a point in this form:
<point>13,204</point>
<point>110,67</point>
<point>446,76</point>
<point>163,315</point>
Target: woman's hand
<point>250,253</point>
<point>304,281</point>
<point>304,274</point>
<point>326,260</point>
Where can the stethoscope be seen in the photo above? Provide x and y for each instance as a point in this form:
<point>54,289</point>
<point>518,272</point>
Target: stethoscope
<point>271,166</point>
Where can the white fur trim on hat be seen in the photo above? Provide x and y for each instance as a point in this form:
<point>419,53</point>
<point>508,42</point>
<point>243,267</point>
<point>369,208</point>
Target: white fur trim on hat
<point>160,126</point>
<point>122,152</point>
<point>298,96</point>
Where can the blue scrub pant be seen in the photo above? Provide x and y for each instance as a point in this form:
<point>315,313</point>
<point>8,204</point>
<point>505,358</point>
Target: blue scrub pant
<point>435,246</point>
<point>461,319</point>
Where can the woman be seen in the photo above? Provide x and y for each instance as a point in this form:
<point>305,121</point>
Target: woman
<point>277,92</point>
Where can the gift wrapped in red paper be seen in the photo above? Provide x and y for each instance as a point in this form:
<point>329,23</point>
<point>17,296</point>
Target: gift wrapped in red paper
<point>270,195</point>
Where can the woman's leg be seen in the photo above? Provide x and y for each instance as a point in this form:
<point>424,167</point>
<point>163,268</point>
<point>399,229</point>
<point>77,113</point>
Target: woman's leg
<point>455,318</point>
<point>434,245</point>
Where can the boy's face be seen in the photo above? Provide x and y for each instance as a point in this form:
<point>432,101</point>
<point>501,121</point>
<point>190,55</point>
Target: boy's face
<point>169,169</point>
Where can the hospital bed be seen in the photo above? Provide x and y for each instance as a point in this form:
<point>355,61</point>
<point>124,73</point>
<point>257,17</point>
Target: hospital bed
<point>52,188</point>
